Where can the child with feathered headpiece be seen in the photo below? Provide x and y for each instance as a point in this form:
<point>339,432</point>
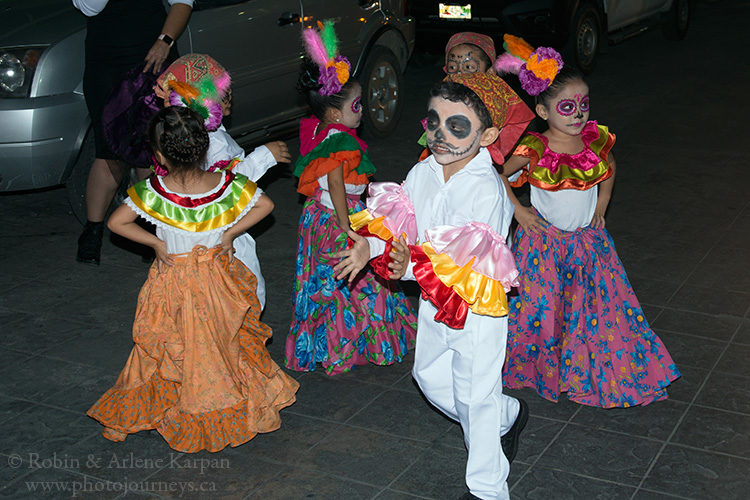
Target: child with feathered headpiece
<point>335,324</point>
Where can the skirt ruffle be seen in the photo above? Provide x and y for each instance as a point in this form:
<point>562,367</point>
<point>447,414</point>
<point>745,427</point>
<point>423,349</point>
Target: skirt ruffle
<point>576,325</point>
<point>199,373</point>
<point>335,323</point>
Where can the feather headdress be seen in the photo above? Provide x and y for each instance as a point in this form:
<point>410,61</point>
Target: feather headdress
<point>203,97</point>
<point>536,69</point>
<point>322,47</point>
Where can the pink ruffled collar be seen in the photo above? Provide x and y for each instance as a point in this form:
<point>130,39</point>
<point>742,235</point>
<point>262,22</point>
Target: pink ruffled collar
<point>309,140</point>
<point>585,160</point>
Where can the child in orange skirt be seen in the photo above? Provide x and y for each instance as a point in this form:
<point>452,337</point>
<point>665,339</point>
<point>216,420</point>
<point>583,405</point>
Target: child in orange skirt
<point>199,372</point>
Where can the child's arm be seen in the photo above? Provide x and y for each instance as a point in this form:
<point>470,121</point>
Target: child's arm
<point>263,206</point>
<point>257,163</point>
<point>122,222</point>
<point>338,196</point>
<point>526,216</point>
<point>605,194</point>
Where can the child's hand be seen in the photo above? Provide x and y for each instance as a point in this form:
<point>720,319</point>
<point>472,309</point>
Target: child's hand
<point>227,245</point>
<point>597,221</point>
<point>400,257</point>
<point>163,258</point>
<point>529,220</point>
<point>280,151</point>
<point>352,259</point>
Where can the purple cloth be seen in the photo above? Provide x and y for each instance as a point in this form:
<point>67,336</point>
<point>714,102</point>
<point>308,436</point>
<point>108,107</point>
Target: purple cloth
<point>129,108</point>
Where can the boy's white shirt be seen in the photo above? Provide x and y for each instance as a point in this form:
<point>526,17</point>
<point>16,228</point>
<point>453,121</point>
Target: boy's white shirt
<point>466,197</point>
<point>221,147</point>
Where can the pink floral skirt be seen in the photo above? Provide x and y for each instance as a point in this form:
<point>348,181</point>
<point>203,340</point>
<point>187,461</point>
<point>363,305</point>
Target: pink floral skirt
<point>335,323</point>
<point>576,325</point>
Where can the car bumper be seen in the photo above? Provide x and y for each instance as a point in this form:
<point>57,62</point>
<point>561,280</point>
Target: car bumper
<point>40,139</point>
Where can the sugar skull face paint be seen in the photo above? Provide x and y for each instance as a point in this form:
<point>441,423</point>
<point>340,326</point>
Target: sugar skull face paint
<point>568,111</point>
<point>357,105</point>
<point>453,131</point>
<point>351,108</point>
<point>568,107</point>
<point>464,58</point>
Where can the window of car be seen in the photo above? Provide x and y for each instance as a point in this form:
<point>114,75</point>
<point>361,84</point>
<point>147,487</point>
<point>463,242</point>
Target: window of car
<point>212,4</point>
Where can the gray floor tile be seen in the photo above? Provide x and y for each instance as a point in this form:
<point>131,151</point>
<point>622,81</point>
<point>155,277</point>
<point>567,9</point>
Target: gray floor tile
<point>656,421</point>
<point>42,432</point>
<point>332,398</point>
<point>39,378</point>
<point>743,334</point>
<point>652,291</point>
<point>537,435</point>
<point>623,459</point>
<point>403,414</point>
<point>690,350</point>
<point>12,407</point>
<point>543,484</point>
<point>82,396</point>
<point>727,392</point>
<point>734,360</point>
<point>686,387</point>
<point>362,455</point>
<point>715,430</point>
<point>230,473</point>
<point>36,300</point>
<point>437,473</point>
<point>714,301</point>
<point>59,483</point>
<point>698,474</point>
<point>101,348</point>
<point>384,376</point>
<point>717,327</point>
<point>655,495</point>
<point>715,273</point>
<point>10,360</point>
<point>302,483</point>
<point>388,494</point>
<point>296,435</point>
<point>32,333</point>
<point>562,410</point>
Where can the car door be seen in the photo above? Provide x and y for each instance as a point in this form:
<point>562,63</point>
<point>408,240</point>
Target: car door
<point>349,16</point>
<point>621,13</point>
<point>259,43</point>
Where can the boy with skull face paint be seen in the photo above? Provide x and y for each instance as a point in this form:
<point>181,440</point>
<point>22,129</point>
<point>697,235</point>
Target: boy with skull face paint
<point>445,227</point>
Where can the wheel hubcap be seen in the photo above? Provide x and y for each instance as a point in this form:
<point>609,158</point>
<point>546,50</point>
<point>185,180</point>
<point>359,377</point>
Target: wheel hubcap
<point>587,41</point>
<point>383,94</point>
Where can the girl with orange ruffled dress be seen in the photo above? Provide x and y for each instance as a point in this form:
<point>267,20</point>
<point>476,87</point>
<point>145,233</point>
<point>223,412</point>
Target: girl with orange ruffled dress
<point>199,372</point>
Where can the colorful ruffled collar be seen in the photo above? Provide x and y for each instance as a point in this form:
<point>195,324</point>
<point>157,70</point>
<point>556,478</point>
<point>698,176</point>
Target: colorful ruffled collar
<point>309,140</point>
<point>586,159</point>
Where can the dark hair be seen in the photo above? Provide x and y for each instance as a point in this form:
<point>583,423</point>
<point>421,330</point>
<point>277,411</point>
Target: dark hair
<point>455,92</point>
<point>566,75</point>
<point>307,85</point>
<point>179,134</point>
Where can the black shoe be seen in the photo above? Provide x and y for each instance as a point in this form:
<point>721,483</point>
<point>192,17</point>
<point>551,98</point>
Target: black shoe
<point>509,441</point>
<point>469,496</point>
<point>90,243</point>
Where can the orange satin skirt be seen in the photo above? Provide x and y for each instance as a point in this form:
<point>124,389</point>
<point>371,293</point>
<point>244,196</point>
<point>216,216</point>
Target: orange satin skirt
<point>199,372</point>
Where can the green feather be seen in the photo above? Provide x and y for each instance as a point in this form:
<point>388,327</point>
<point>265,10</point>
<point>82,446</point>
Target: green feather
<point>208,89</point>
<point>330,41</point>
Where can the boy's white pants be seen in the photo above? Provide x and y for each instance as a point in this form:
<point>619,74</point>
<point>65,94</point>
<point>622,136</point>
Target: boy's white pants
<point>460,372</point>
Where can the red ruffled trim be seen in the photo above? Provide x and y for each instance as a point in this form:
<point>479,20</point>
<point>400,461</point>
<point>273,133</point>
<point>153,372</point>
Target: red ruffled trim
<point>309,140</point>
<point>186,201</point>
<point>451,308</point>
<point>380,263</point>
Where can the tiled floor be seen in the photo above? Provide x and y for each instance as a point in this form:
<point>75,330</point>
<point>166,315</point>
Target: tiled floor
<point>680,218</point>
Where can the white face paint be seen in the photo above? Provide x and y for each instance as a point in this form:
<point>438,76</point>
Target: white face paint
<point>454,131</point>
<point>568,111</point>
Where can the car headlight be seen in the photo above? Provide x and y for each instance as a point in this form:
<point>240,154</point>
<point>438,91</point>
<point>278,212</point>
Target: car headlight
<point>17,66</point>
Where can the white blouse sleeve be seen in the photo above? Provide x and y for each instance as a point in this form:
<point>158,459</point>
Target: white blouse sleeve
<point>186,2</point>
<point>256,164</point>
<point>90,7</point>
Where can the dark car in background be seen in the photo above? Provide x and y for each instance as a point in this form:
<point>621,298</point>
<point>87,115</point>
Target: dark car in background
<point>45,136</point>
<point>577,27</point>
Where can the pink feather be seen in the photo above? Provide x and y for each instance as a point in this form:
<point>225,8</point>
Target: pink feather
<point>508,63</point>
<point>314,46</point>
<point>223,82</point>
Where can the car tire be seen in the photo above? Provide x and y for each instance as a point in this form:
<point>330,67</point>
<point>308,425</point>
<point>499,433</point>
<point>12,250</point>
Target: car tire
<point>75,184</point>
<point>382,85</point>
<point>676,20</point>
<point>585,37</point>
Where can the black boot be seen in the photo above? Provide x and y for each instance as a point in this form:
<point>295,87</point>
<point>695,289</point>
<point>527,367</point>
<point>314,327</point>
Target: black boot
<point>90,243</point>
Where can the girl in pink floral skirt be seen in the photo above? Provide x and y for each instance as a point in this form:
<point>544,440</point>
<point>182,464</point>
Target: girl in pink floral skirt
<point>576,325</point>
<point>334,323</point>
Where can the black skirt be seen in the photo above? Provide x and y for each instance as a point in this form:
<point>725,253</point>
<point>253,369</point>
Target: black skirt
<point>117,39</point>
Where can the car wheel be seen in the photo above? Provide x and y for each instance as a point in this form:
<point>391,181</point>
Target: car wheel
<point>382,84</point>
<point>677,19</point>
<point>585,37</point>
<point>75,184</point>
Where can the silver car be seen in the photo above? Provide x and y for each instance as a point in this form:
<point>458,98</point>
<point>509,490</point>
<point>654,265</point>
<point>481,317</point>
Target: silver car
<point>44,123</point>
